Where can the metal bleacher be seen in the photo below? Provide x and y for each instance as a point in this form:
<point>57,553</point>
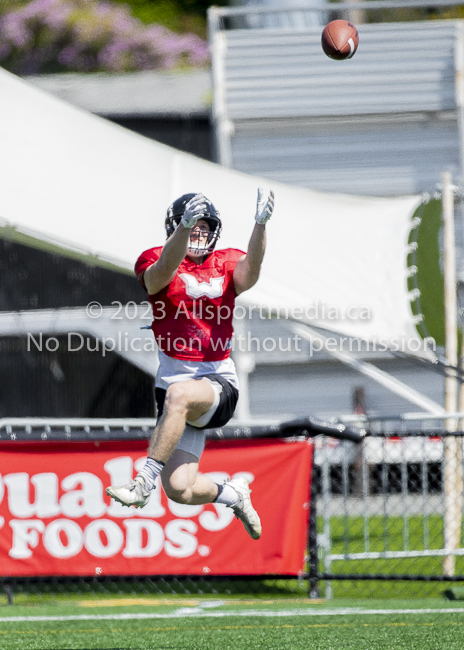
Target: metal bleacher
<point>386,122</point>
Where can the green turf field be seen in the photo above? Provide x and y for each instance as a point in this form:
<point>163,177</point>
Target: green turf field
<point>207,624</point>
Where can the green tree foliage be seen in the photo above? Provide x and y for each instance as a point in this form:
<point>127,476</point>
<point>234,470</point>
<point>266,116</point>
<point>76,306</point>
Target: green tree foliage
<point>178,15</point>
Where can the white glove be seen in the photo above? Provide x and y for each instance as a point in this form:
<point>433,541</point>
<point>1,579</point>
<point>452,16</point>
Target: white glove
<point>194,210</point>
<point>264,208</point>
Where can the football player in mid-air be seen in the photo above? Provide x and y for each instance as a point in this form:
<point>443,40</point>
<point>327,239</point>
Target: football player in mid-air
<point>192,289</point>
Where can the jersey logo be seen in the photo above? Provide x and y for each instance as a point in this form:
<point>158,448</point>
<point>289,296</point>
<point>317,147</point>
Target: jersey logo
<point>195,289</point>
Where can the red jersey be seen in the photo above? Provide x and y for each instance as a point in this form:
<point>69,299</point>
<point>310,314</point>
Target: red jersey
<point>192,315</point>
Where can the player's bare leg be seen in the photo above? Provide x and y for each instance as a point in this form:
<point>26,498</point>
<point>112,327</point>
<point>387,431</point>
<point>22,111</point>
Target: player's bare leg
<point>187,400</point>
<point>183,484</point>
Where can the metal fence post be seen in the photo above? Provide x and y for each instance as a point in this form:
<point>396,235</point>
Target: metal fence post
<point>312,533</point>
<point>326,515</point>
<point>9,592</point>
<point>452,478</point>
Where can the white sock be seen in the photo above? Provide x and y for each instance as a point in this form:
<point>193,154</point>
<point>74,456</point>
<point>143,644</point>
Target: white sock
<point>150,471</point>
<point>226,495</point>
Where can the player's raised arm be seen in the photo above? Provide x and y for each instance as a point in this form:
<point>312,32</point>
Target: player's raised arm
<point>160,274</point>
<point>246,273</point>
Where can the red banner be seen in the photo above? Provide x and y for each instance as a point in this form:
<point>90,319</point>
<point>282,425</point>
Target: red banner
<point>55,518</point>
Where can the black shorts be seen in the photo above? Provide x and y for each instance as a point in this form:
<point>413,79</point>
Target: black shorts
<point>226,407</point>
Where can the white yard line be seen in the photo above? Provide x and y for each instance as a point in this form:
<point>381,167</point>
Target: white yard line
<point>195,613</point>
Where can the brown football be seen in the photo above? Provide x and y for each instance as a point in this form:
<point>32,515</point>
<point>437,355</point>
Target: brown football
<point>340,40</point>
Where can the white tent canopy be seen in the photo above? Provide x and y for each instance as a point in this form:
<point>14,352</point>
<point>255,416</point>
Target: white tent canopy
<point>73,178</point>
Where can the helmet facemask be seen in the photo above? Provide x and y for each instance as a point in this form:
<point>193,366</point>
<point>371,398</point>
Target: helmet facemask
<point>202,241</point>
<point>199,244</point>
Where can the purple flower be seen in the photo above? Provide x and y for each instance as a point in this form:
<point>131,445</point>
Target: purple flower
<point>14,31</point>
<point>93,35</point>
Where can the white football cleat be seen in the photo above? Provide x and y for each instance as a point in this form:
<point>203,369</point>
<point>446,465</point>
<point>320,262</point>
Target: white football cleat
<point>243,509</point>
<point>133,494</point>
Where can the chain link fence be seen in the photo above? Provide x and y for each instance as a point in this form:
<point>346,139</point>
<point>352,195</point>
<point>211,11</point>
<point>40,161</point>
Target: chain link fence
<point>390,510</point>
<point>53,430</point>
<point>386,516</point>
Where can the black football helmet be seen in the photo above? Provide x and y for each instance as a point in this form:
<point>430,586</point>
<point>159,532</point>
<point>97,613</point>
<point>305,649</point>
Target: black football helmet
<point>211,216</point>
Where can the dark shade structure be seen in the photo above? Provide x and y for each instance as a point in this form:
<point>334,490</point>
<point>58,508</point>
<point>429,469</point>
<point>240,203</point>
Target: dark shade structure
<point>60,383</point>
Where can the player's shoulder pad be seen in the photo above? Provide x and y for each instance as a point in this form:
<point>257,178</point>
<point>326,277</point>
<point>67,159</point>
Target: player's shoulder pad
<point>150,255</point>
<point>230,254</point>
<point>146,259</point>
